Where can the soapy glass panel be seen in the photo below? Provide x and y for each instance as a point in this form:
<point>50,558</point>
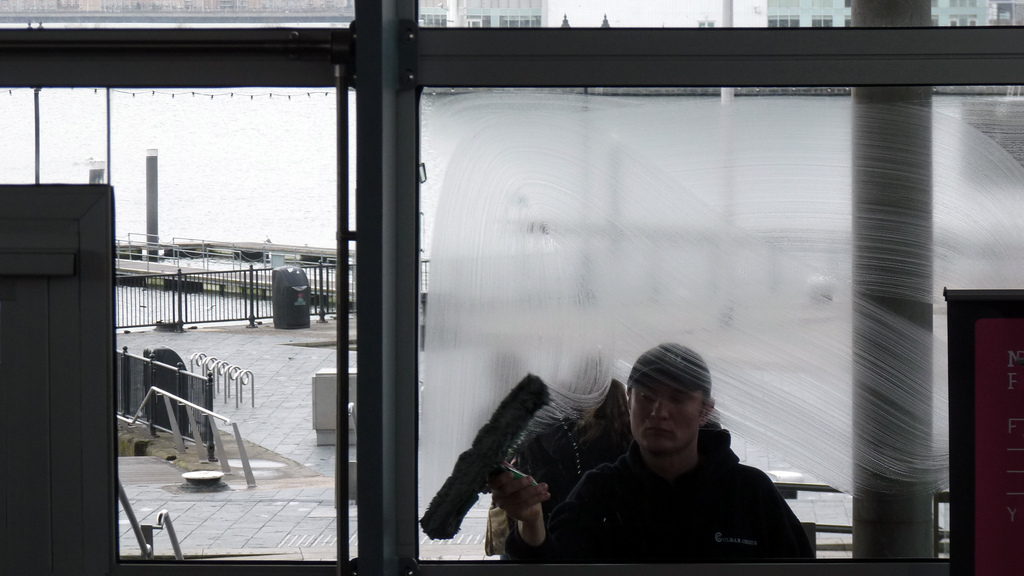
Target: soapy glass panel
<point>567,232</point>
<point>707,14</point>
<point>251,175</point>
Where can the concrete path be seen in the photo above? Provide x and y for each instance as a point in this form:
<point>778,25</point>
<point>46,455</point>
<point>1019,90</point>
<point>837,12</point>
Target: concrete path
<point>291,513</point>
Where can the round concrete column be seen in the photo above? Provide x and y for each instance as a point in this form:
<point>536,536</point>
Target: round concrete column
<point>892,270</point>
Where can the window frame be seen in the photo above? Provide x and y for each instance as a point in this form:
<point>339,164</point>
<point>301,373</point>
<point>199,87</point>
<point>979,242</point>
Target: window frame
<point>395,61</point>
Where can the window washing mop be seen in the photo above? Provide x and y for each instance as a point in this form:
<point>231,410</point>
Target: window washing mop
<point>493,443</point>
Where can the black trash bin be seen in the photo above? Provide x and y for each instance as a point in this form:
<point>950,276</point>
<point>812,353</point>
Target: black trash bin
<point>194,390</point>
<point>291,298</point>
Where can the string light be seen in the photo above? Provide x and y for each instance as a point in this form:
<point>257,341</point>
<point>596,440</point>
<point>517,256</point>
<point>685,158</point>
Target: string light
<point>194,93</point>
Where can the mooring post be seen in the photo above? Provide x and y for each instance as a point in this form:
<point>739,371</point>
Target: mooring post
<point>97,169</point>
<point>152,205</point>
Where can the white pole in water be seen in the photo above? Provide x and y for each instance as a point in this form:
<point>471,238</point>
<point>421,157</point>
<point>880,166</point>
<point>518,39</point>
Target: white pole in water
<point>36,92</point>
<point>727,93</point>
<point>152,204</point>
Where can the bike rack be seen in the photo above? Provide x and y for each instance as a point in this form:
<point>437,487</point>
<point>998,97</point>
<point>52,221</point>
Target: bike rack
<point>245,378</point>
<point>226,374</point>
<point>196,358</point>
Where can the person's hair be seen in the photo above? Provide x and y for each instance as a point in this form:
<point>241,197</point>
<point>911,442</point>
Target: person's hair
<point>612,414</point>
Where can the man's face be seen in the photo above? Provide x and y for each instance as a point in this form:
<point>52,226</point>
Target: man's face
<point>665,419</point>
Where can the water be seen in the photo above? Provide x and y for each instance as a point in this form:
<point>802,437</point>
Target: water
<point>248,165</point>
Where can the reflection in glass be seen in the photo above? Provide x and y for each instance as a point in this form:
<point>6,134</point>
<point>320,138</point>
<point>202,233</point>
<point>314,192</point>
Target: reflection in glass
<point>569,232</point>
<point>693,14</point>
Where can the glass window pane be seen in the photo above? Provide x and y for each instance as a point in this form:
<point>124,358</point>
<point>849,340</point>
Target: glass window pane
<point>71,135</point>
<point>693,14</point>
<point>566,233</point>
<point>225,227</point>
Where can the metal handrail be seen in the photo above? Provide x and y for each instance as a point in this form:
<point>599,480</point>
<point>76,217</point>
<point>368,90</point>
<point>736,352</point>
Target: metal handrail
<point>147,550</point>
<point>163,519</point>
<point>177,399</point>
<point>939,497</point>
<point>806,487</point>
<point>211,417</point>
<point>245,378</point>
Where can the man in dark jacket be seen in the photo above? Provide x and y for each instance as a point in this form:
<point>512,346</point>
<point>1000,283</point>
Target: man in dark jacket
<point>679,493</point>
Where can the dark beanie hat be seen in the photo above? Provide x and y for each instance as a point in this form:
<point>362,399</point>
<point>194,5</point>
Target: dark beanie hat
<point>673,365</point>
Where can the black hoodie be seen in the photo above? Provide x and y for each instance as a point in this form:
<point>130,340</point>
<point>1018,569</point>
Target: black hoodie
<point>625,512</point>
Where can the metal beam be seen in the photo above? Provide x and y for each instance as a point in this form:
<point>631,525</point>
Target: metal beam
<point>721,57</point>
<point>171,58</point>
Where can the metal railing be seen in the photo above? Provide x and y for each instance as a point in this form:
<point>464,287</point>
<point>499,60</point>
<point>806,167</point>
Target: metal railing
<point>940,529</point>
<point>136,375</point>
<point>215,254</point>
<point>180,298</point>
<point>144,532</point>
<point>210,418</point>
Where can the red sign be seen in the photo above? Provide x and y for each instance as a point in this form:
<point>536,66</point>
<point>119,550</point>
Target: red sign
<point>999,446</point>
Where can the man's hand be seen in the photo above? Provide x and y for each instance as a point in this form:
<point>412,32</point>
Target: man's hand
<point>521,499</point>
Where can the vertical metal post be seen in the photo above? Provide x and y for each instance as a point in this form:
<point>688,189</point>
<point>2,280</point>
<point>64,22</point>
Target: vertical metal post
<point>149,372</point>
<point>124,388</point>
<point>108,137</point>
<point>173,421</point>
<point>181,391</point>
<point>208,427</point>
<point>179,323</point>
<point>250,297</point>
<point>341,458</point>
<point>250,479</point>
<point>322,291</point>
<point>892,311</point>
<point>218,444</point>
<point>387,286</point>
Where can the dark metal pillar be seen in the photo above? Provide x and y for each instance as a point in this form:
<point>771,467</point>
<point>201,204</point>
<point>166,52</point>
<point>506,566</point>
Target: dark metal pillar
<point>388,254</point>
<point>892,327</point>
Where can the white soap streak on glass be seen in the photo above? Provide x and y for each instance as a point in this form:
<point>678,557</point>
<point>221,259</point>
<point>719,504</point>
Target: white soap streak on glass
<point>573,232</point>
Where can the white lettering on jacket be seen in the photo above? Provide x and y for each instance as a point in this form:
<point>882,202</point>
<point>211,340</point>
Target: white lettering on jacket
<point>728,540</point>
